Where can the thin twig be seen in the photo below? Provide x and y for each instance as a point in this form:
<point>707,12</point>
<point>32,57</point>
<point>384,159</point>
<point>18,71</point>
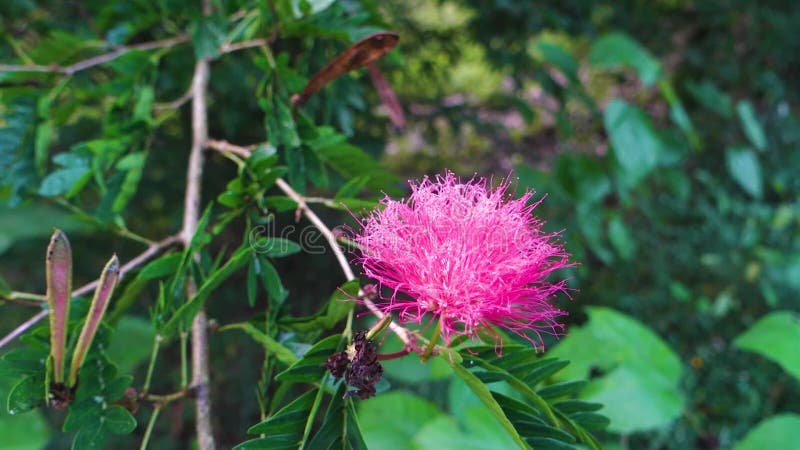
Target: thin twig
<point>302,206</point>
<point>226,147</point>
<point>121,50</point>
<point>151,251</point>
<point>228,48</point>
<point>95,60</point>
<point>20,302</point>
<point>175,104</point>
<point>149,430</point>
<point>312,217</point>
<point>24,298</point>
<point>166,399</point>
<point>23,327</point>
<point>35,298</point>
<point>191,215</point>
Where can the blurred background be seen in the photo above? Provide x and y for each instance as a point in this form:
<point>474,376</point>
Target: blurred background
<point>664,136</point>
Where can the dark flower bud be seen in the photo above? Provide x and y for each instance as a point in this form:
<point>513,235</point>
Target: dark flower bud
<point>359,364</point>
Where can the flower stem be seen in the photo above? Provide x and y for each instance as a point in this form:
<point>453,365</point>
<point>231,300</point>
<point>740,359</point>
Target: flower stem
<point>152,364</point>
<point>432,343</point>
<point>348,328</point>
<point>379,326</point>
<point>149,430</point>
<point>395,355</point>
<point>184,371</point>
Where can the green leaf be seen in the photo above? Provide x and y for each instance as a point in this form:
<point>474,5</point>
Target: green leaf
<point>118,420</point>
<point>775,336</point>
<point>44,135</point>
<point>26,395</point>
<point>711,97</point>
<point>5,288</point>
<point>275,247</point>
<point>308,7</point>
<point>130,329</point>
<point>744,167</point>
<point>90,437</point>
<point>635,144</point>
<point>272,282</point>
<point>208,34</point>
<point>352,161</point>
<point>444,433</point>
<point>82,413</point>
<point>379,424</point>
<point>143,109</point>
<point>29,432</point>
<point>274,347</point>
<point>262,158</point>
<point>677,112</point>
<point>188,310</point>
<point>616,50</point>
<point>339,305</point>
<point>291,419</point>
<point>230,199</point>
<point>134,165</point>
<point>621,238</point>
<point>352,187</point>
<point>161,267</point>
<point>272,442</point>
<point>287,127</point>
<point>309,368</point>
<point>63,181</point>
<point>340,427</point>
<point>781,431</point>
<point>559,57</point>
<point>280,203</point>
<point>559,390</point>
<point>636,364</point>
<point>751,125</point>
<point>485,396</point>
<point>22,361</point>
<point>158,268</point>
<point>581,176</point>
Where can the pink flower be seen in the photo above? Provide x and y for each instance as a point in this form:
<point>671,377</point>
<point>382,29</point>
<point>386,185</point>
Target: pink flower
<point>468,255</point>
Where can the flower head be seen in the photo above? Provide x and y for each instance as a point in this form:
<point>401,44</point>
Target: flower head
<point>467,254</point>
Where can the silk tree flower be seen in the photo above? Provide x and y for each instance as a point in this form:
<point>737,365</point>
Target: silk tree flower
<point>466,254</point>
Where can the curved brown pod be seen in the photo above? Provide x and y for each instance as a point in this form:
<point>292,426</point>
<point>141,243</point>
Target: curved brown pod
<point>357,55</point>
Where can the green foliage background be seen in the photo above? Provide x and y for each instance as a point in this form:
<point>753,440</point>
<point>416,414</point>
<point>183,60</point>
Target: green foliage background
<point>665,135</point>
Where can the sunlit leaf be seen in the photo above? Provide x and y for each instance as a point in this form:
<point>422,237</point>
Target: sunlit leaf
<point>635,143</point>
<point>752,127</point>
<point>744,167</point>
<point>775,336</point>
<point>781,431</point>
<point>635,363</point>
<point>617,50</point>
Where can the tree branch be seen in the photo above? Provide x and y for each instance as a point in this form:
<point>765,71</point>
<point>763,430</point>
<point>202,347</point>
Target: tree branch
<point>121,50</point>
<point>95,60</point>
<point>191,215</point>
<point>143,257</point>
